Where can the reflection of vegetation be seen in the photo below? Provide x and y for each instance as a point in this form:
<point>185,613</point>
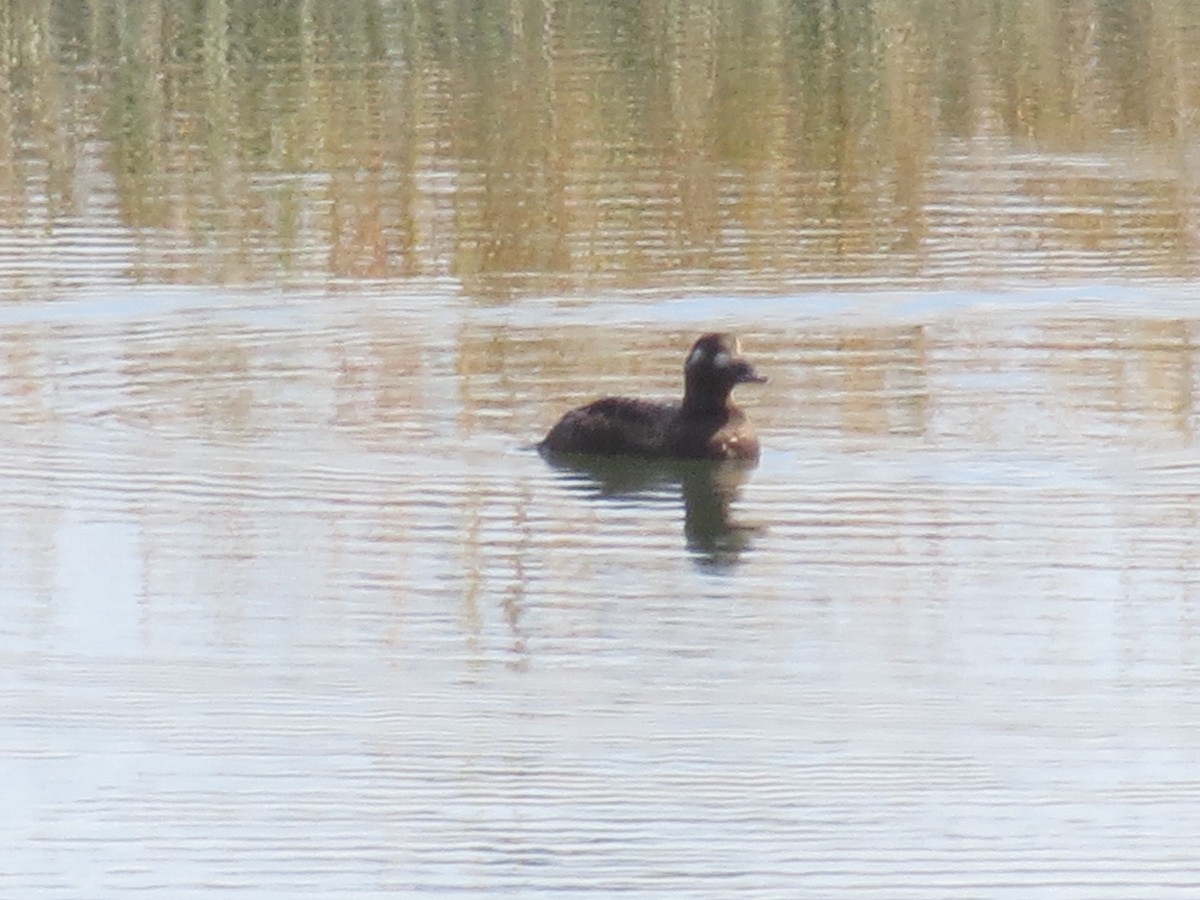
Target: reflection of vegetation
<point>577,139</point>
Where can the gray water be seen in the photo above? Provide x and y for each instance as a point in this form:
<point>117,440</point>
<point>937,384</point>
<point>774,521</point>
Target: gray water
<point>289,606</point>
<point>302,613</point>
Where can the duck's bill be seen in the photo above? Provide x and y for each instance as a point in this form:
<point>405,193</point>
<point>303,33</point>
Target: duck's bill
<point>747,375</point>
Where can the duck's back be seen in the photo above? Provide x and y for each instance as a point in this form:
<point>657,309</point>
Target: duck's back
<point>614,426</point>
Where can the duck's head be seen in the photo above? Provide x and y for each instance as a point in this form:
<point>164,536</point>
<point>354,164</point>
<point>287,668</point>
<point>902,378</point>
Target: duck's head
<point>714,366</point>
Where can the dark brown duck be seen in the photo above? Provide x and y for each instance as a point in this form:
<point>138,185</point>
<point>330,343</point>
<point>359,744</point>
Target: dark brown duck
<point>704,425</point>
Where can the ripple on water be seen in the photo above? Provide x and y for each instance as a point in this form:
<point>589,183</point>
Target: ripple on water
<point>298,590</point>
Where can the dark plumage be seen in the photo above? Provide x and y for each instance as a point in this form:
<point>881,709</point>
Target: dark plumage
<point>704,425</point>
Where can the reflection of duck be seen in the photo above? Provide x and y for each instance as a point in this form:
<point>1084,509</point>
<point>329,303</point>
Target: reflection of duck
<point>708,489</point>
<point>704,425</point>
<point>708,492</point>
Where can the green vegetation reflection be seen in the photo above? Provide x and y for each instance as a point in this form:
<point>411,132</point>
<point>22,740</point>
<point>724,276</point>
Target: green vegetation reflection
<point>575,145</point>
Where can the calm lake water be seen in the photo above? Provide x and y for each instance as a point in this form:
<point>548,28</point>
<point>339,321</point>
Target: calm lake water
<point>289,606</point>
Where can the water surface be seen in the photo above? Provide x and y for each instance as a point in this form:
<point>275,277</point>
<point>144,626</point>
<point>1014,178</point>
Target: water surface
<point>291,607</point>
<point>302,612</point>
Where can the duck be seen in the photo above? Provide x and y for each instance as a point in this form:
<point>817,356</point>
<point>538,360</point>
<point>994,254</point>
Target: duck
<point>704,425</point>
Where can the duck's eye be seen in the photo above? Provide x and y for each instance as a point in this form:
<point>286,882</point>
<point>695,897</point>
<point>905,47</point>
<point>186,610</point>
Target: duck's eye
<point>698,356</point>
<point>722,360</point>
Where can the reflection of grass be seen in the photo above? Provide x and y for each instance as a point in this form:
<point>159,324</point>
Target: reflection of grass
<point>589,145</point>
